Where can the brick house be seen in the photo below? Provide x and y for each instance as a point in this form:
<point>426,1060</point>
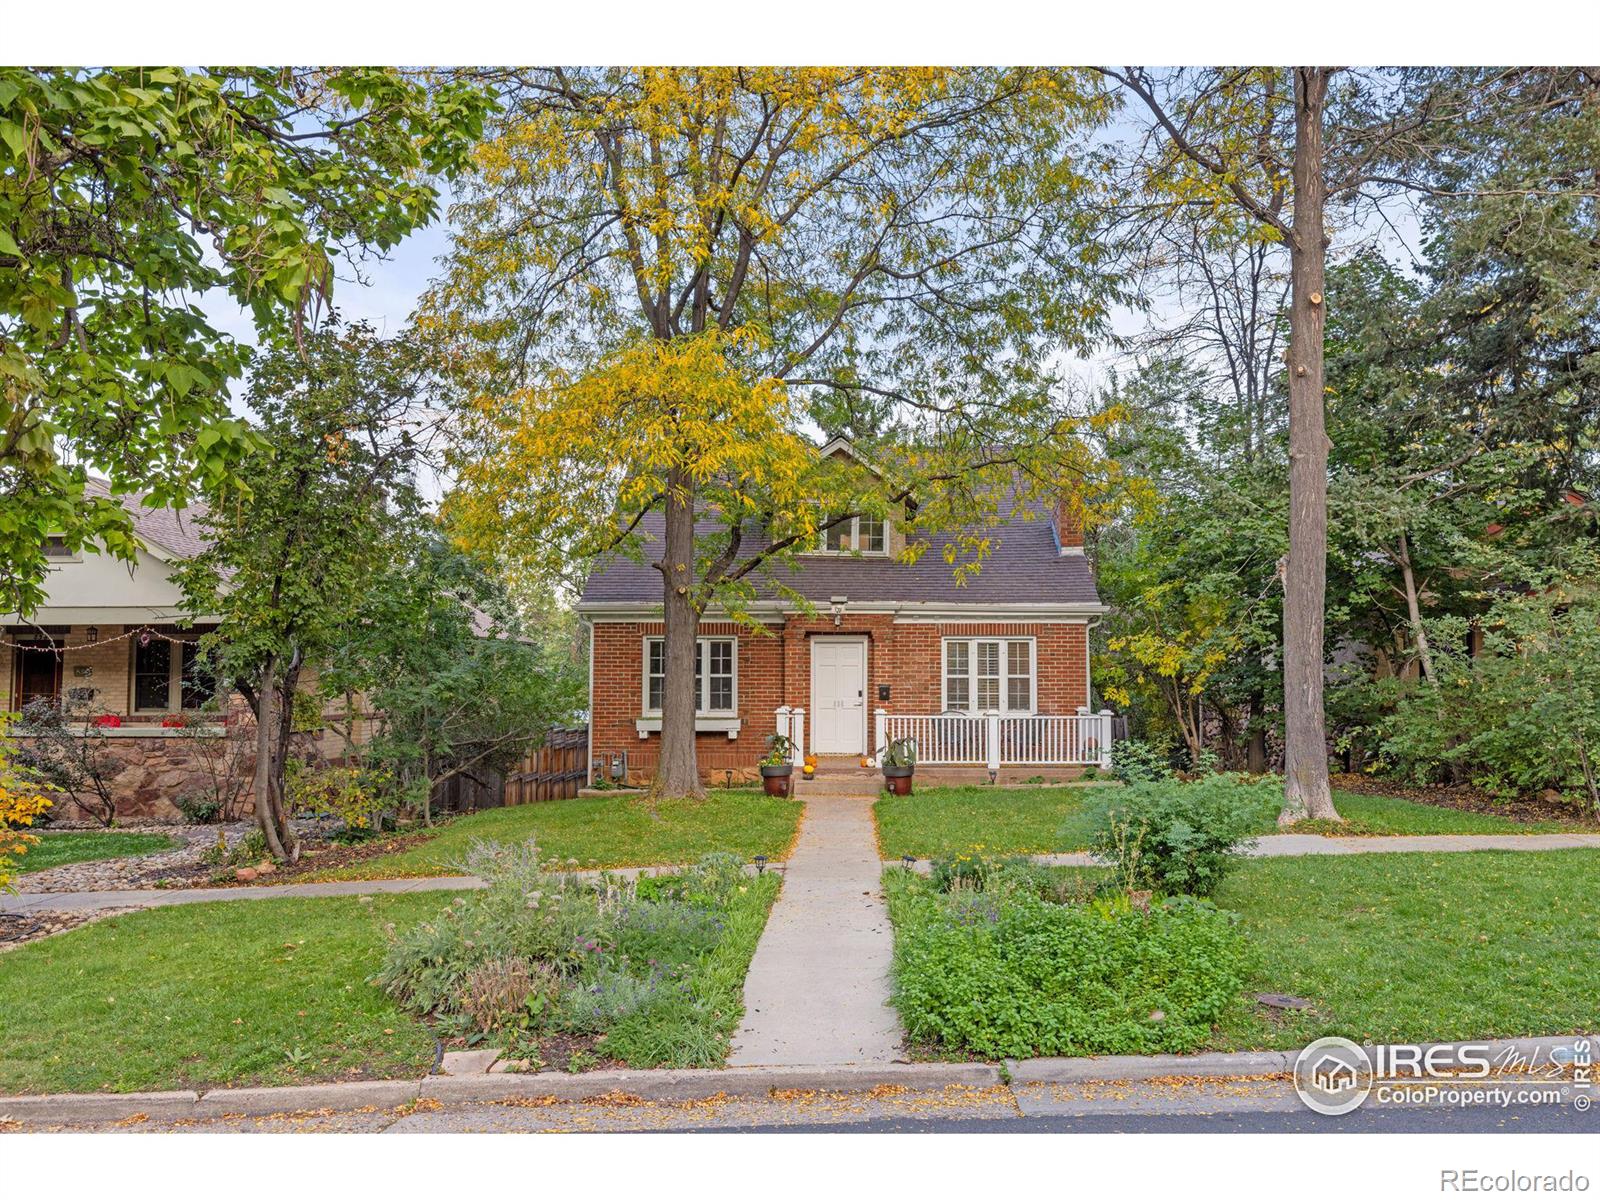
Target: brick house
<point>992,674</point>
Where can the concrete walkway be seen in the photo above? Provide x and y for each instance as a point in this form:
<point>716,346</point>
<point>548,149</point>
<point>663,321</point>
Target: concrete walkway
<point>847,829</point>
<point>1296,845</point>
<point>818,988</point>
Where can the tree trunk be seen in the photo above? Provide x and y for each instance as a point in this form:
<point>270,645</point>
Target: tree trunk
<point>1256,747</point>
<point>266,722</point>
<point>678,772</point>
<point>1306,788</point>
<point>1414,609</point>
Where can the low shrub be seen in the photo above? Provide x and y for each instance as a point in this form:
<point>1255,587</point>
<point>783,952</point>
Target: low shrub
<point>1135,761</point>
<point>1016,975</point>
<point>197,808</point>
<point>1181,838</point>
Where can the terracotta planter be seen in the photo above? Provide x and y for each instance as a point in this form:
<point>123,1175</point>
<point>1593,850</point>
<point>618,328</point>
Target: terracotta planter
<point>897,780</point>
<point>777,780</point>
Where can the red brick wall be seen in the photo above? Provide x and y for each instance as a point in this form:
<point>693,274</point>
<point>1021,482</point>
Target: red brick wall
<point>775,669</point>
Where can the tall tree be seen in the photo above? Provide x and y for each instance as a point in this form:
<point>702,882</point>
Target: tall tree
<point>663,279</point>
<point>291,561</point>
<point>454,683</point>
<point>1253,144</point>
<point>126,193</point>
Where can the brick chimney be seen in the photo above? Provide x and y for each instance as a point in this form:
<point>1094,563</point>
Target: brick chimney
<point>1068,525</point>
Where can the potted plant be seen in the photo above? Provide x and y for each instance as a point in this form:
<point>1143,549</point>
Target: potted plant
<point>899,762</point>
<point>777,768</point>
<point>108,721</point>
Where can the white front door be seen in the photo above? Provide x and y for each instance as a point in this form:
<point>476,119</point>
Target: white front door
<point>838,696</point>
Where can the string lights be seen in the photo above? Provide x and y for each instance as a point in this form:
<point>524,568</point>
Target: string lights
<point>143,632</point>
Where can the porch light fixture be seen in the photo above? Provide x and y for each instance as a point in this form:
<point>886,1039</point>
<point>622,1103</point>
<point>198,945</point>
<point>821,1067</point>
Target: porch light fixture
<point>761,864</point>
<point>836,607</point>
<point>92,634</point>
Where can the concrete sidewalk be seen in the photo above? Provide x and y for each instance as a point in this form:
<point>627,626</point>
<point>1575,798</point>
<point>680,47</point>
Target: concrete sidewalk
<point>1297,845</point>
<point>845,826</point>
<point>818,988</point>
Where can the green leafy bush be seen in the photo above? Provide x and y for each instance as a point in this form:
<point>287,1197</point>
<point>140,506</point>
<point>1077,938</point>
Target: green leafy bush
<point>198,808</point>
<point>1181,838</point>
<point>1135,761</point>
<point>1007,973</point>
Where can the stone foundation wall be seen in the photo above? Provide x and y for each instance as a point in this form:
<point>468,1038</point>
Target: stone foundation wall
<point>147,773</point>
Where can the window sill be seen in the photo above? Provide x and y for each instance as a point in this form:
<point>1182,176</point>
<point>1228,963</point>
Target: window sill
<point>702,724</point>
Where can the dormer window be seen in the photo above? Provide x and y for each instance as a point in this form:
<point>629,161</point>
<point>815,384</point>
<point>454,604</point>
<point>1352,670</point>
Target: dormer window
<point>864,535</point>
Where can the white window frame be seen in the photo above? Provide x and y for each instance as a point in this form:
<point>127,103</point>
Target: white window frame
<point>855,540</point>
<point>1005,675</point>
<point>705,676</point>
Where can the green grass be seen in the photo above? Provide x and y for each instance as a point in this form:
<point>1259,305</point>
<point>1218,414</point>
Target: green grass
<point>1410,947</point>
<point>1430,947</point>
<point>261,993</point>
<point>622,830</point>
<point>58,849</point>
<point>939,821</point>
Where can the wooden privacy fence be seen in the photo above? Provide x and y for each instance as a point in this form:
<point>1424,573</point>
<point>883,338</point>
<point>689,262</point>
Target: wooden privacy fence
<point>555,771</point>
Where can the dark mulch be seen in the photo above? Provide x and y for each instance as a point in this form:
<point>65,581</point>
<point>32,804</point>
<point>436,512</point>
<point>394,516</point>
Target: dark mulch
<point>1467,799</point>
<point>328,856</point>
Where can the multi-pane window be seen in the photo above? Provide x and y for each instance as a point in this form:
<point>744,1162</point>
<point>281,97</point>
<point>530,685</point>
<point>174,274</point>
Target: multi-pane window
<point>170,675</point>
<point>152,675</point>
<point>715,675</point>
<point>988,674</point>
<point>869,535</point>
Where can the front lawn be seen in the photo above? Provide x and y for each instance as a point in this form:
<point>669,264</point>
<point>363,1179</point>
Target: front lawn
<point>1429,947</point>
<point>246,993</point>
<point>58,849</point>
<point>934,822</point>
<point>1386,947</point>
<point>621,830</point>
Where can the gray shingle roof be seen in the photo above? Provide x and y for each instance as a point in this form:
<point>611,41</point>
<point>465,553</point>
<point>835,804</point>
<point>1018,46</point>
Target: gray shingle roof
<point>176,531</point>
<point>1024,567</point>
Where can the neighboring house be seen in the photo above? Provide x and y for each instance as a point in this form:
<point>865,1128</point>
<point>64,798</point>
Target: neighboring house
<point>992,673</point>
<point>117,640</point>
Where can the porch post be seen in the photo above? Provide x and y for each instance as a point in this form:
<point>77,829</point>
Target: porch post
<point>783,720</point>
<point>992,736</point>
<point>880,739</point>
<point>797,735</point>
<point>1105,739</point>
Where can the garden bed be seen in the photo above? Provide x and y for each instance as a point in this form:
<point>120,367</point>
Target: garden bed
<point>1525,810</point>
<point>1384,947</point>
<point>580,973</point>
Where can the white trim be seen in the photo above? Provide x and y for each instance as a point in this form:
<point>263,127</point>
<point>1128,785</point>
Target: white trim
<point>588,766</point>
<point>865,643</point>
<point>1070,549</point>
<point>1005,676</point>
<point>904,611</point>
<point>729,725</point>
<point>843,445</point>
<point>824,550</point>
<point>705,676</point>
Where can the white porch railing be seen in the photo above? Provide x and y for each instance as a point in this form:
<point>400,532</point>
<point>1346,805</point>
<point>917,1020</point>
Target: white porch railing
<point>792,725</point>
<point>995,740</point>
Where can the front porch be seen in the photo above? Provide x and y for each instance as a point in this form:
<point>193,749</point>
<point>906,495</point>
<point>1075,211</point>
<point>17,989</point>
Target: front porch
<point>984,746</point>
